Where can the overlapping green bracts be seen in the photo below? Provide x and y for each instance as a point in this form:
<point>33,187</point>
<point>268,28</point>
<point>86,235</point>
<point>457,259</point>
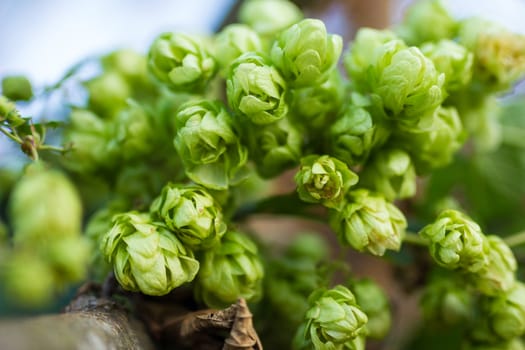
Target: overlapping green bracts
<point>146,256</point>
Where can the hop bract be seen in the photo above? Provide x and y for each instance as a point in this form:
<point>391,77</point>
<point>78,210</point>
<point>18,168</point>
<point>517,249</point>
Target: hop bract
<point>230,271</point>
<point>456,241</point>
<point>181,62</point>
<point>256,90</point>
<point>334,319</point>
<point>368,222</point>
<point>208,143</point>
<point>324,179</point>
<point>192,213</point>
<point>146,257</point>
<point>305,54</point>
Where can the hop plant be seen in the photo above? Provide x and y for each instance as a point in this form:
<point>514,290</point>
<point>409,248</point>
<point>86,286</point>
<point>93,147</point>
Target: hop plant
<point>256,90</point>
<point>369,223</point>
<point>324,179</point>
<point>230,271</point>
<point>182,62</point>
<point>192,213</point>
<point>208,143</point>
<point>456,242</point>
<point>305,54</point>
<point>146,256</point>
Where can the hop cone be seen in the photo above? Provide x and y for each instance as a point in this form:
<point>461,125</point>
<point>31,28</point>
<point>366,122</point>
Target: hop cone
<point>269,17</point>
<point>146,257</point>
<point>506,313</point>
<point>230,271</point>
<point>368,222</point>
<point>234,41</point>
<point>192,213</point>
<point>374,303</point>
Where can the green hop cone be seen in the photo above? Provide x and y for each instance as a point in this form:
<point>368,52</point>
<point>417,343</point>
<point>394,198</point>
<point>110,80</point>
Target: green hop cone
<point>324,179</point>
<point>261,16</point>
<point>256,90</point>
<point>334,319</point>
<point>391,173</point>
<point>317,106</point>
<point>305,53</point>
<point>506,313</point>
<point>44,205</point>
<point>230,271</point>
<point>435,147</point>
<point>452,59</point>
<point>354,135</point>
<point>191,213</point>
<point>447,301</point>
<point>108,93</point>
<point>368,222</point>
<point>208,143</point>
<point>131,66</point>
<point>407,83</point>
<point>308,246</point>
<point>181,62</point>
<point>499,274</point>
<point>275,147</point>
<point>69,257</point>
<point>89,139</point>
<point>234,41</point>
<point>17,88</point>
<point>146,257</point>
<point>374,303</point>
<point>456,242</point>
<point>425,21</point>
<point>499,55</point>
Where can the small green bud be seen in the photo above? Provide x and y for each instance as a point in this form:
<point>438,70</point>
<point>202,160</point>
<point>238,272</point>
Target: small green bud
<point>181,62</point>
<point>317,106</point>
<point>499,55</point>
<point>447,301</point>
<point>499,274</point>
<point>192,213</point>
<point>146,257</point>
<point>230,271</point>
<point>208,143</point>
<point>256,90</point>
<point>234,41</point>
<point>374,303</point>
<point>269,17</point>
<point>324,179</point>
<point>28,279</point>
<point>108,93</point>
<point>390,173</point>
<point>9,113</point>
<point>456,242</point>
<point>89,138</point>
<point>427,20</point>
<point>452,59</point>
<point>17,88</point>
<point>368,222</point>
<point>334,318</point>
<point>354,135</point>
<point>305,54</point>
<point>434,147</point>
<point>506,313</point>
<point>44,204</point>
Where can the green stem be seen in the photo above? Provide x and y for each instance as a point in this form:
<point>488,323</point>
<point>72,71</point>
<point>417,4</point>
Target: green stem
<point>52,148</point>
<point>413,238</point>
<point>515,239</point>
<point>11,136</point>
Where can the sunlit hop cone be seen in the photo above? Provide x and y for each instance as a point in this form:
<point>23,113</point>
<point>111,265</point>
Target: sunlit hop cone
<point>181,61</point>
<point>324,179</point>
<point>207,141</point>
<point>457,242</point>
<point>230,271</point>
<point>192,213</point>
<point>391,173</point>
<point>234,41</point>
<point>374,303</point>
<point>334,319</point>
<point>44,205</point>
<point>256,90</point>
<point>305,53</point>
<point>369,223</point>
<point>146,257</point>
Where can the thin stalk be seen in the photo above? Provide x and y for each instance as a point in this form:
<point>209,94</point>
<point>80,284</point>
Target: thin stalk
<point>413,238</point>
<point>515,239</point>
<point>11,136</point>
